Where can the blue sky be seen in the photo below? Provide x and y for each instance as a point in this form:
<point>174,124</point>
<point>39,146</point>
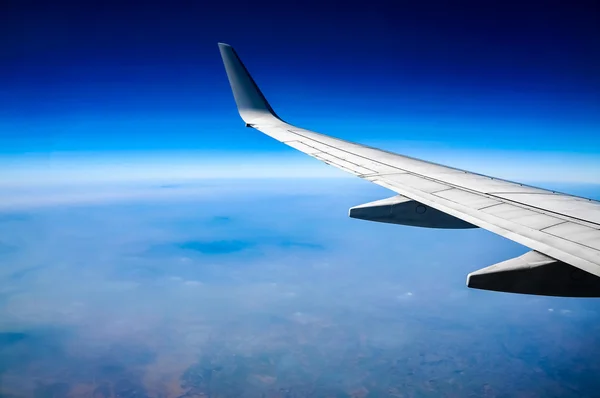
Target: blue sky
<point>465,83</point>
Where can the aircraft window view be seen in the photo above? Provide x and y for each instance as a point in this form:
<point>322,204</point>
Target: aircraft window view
<point>273,199</point>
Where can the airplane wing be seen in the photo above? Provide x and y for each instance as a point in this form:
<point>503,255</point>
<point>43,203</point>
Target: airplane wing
<point>563,231</point>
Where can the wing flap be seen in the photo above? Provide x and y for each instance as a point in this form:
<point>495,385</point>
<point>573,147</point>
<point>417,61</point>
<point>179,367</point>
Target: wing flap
<point>585,210</point>
<point>523,216</point>
<point>468,198</point>
<point>576,233</point>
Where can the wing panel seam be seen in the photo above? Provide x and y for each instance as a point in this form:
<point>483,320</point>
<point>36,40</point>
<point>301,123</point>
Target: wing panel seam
<point>489,196</point>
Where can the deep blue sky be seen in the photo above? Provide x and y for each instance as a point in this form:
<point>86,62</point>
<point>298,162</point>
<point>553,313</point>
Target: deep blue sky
<point>111,77</point>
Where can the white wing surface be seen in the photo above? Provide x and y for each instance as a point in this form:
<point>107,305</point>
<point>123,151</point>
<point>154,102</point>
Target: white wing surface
<point>563,231</point>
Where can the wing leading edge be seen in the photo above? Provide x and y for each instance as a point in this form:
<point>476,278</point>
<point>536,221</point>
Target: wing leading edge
<point>562,229</point>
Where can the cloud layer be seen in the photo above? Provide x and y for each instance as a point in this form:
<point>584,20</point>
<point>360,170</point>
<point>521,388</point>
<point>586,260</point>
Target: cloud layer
<point>269,287</point>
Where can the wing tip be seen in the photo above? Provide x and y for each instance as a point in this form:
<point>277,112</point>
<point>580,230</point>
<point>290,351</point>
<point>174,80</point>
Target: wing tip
<point>251,103</point>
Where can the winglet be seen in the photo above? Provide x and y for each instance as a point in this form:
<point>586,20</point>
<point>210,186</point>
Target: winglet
<point>251,103</point>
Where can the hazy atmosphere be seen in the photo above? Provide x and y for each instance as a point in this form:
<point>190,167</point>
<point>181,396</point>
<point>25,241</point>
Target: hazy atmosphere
<point>244,288</point>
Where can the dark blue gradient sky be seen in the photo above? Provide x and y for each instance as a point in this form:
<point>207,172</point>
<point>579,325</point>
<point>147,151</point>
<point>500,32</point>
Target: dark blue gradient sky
<point>113,78</point>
